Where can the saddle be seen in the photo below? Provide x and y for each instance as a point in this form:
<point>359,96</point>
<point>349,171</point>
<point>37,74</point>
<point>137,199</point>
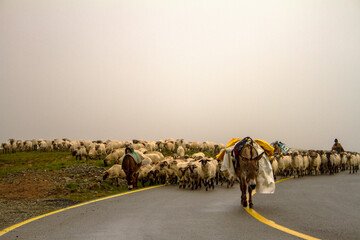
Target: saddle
<point>239,146</point>
<point>137,157</point>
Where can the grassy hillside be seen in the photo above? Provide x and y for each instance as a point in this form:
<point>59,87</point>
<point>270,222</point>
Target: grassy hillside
<point>50,161</point>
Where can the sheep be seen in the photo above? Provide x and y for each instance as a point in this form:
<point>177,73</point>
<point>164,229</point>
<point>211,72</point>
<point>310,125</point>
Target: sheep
<point>112,146</point>
<point>198,155</point>
<point>180,151</point>
<point>137,146</point>
<point>12,145</point>
<point>208,168</point>
<point>160,145</point>
<point>324,162</point>
<point>219,147</point>
<point>153,174</point>
<point>115,173</point>
<point>344,161</point>
<point>230,179</point>
<point>306,165</point>
<point>297,164</point>
<point>195,174</point>
<point>28,146</point>
<point>284,164</point>
<point>115,156</point>
<point>43,146</point>
<point>180,142</point>
<point>353,162</point>
<point>57,144</point>
<point>6,147</point>
<point>81,152</point>
<point>100,150</point>
<point>150,146</point>
<point>169,147</point>
<point>146,161</point>
<point>334,161</point>
<point>195,146</point>
<point>169,172</point>
<point>332,164</point>
<point>275,166</point>
<point>35,144</point>
<point>315,162</point>
<point>92,153</point>
<point>154,156</point>
<point>20,145</point>
<point>181,169</point>
<point>208,147</point>
<point>143,174</point>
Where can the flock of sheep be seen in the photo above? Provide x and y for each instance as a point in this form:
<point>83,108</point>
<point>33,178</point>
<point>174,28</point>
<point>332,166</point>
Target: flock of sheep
<point>186,171</point>
<point>300,163</point>
<point>177,168</point>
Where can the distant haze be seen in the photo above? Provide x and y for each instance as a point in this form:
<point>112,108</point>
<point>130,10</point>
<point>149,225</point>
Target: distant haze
<point>197,70</point>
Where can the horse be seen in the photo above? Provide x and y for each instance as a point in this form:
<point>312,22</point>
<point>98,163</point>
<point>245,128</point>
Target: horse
<point>246,169</point>
<point>131,168</point>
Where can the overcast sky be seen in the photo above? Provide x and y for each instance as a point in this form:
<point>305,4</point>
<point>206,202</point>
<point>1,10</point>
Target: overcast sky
<point>199,70</point>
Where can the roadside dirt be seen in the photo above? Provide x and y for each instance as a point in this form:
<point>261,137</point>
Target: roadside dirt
<point>30,193</point>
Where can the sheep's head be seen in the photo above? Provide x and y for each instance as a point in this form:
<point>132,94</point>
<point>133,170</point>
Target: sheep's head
<point>163,164</point>
<point>191,167</point>
<point>204,161</point>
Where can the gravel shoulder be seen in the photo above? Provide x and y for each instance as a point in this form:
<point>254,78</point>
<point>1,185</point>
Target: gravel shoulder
<point>29,193</point>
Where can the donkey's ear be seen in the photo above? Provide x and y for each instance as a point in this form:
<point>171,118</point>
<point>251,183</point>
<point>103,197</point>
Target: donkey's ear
<point>259,157</point>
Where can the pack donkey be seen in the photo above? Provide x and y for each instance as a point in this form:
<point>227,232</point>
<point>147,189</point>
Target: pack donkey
<point>246,168</point>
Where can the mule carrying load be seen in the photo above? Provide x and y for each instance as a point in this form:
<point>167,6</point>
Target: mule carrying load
<point>248,160</point>
<point>280,147</point>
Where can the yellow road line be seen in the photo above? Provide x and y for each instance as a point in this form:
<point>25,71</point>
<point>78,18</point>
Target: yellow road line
<point>270,223</point>
<point>2,232</point>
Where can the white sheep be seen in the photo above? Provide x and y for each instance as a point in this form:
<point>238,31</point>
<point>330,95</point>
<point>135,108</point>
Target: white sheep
<point>195,174</point>
<point>284,163</point>
<point>6,147</point>
<point>306,165</point>
<point>315,162</point>
<point>208,168</point>
<point>198,155</point>
<point>81,152</point>
<point>297,164</point>
<point>28,146</point>
<point>115,156</point>
<point>143,173</point>
<point>274,166</point>
<point>115,173</point>
<point>353,163</point>
<point>154,156</point>
<point>180,151</point>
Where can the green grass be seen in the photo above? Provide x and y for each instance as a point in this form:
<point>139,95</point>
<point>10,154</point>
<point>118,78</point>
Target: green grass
<point>55,161</point>
<point>50,161</point>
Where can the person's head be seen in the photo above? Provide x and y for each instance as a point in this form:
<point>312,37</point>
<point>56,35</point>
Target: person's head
<point>336,141</point>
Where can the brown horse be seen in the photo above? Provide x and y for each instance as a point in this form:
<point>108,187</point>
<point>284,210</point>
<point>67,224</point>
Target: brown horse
<point>131,168</point>
<point>246,168</point>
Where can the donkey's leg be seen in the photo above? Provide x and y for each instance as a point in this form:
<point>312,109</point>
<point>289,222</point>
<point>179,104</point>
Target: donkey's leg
<point>250,197</point>
<point>243,192</point>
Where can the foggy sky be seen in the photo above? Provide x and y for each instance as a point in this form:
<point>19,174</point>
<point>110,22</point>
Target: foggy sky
<point>198,70</point>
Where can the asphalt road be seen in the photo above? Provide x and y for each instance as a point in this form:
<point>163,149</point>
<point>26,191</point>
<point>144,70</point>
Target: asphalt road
<point>325,207</point>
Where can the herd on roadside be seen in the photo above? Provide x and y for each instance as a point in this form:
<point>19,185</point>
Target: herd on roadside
<point>191,172</point>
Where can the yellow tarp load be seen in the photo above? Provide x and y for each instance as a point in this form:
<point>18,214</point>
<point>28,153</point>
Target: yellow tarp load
<point>265,179</point>
<point>269,150</point>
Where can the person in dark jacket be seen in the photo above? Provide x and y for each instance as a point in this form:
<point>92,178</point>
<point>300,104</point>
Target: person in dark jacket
<point>337,147</point>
